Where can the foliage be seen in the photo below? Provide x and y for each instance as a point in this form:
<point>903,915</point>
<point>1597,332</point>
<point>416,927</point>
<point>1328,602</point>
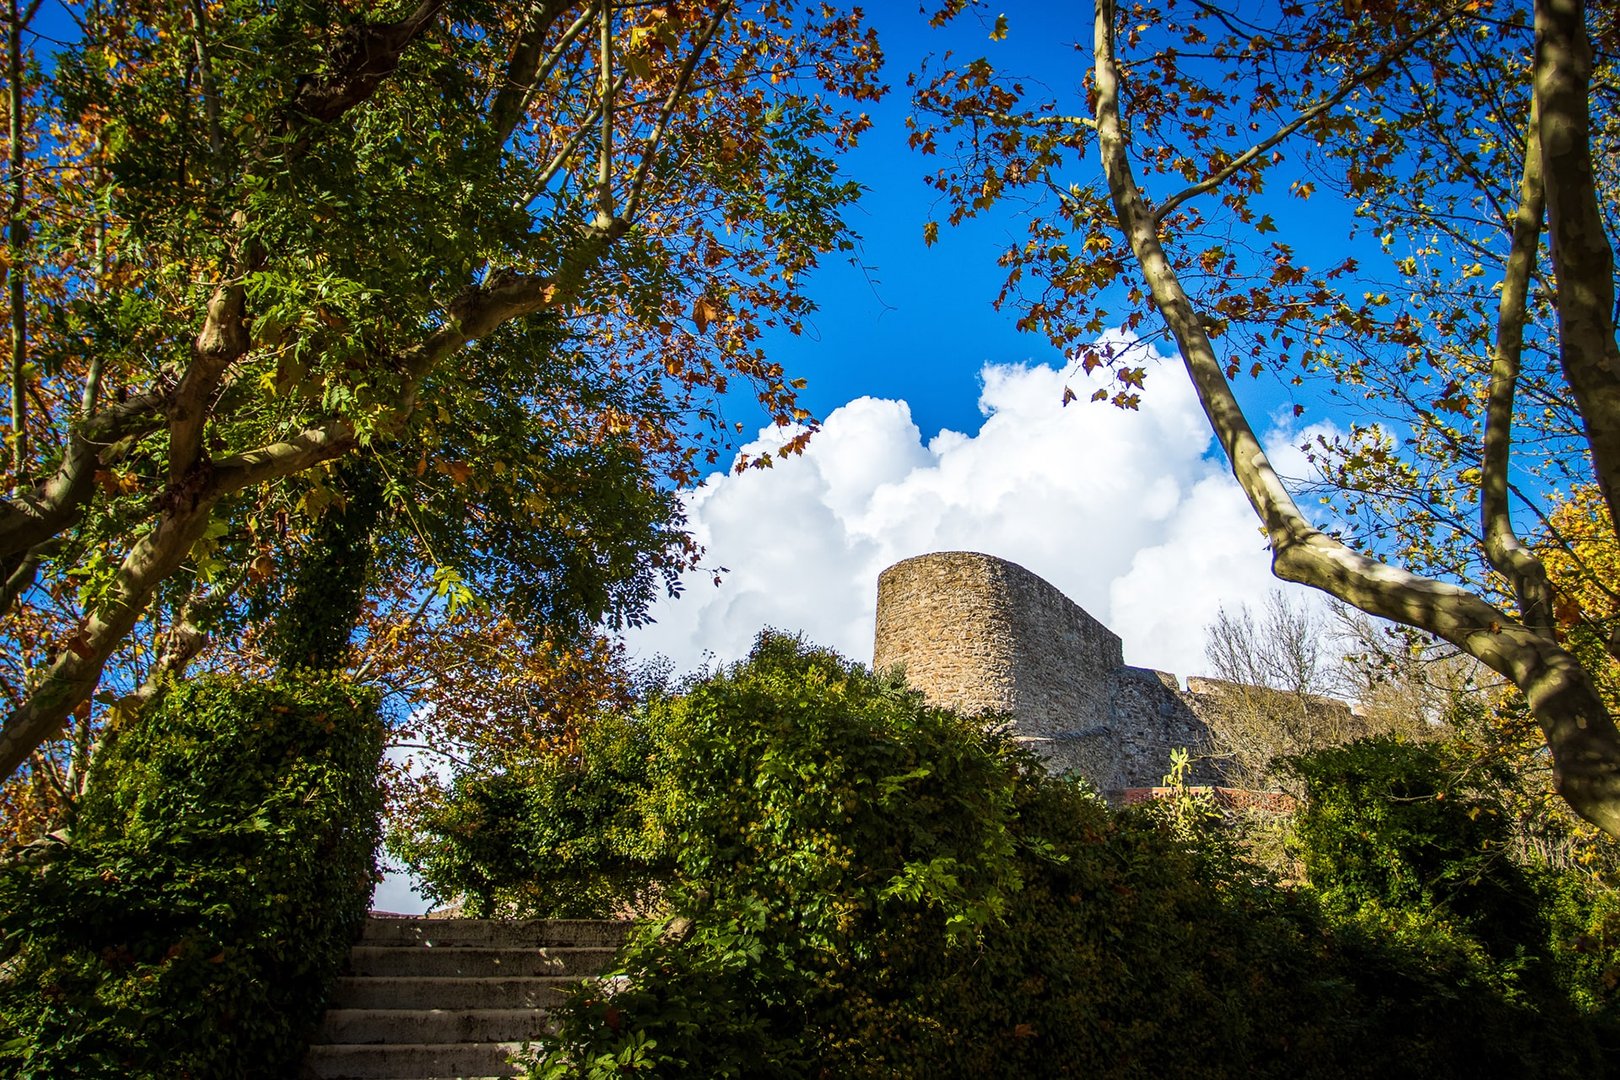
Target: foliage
<point>1420,837</point>
<point>321,603</point>
<point>1583,564</point>
<point>513,255</point>
<point>867,887</point>
<point>561,834</point>
<point>1411,827</point>
<point>1466,152</point>
<point>476,696</point>
<point>217,875</point>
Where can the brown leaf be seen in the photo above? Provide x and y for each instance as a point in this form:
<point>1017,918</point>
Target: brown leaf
<point>703,312</point>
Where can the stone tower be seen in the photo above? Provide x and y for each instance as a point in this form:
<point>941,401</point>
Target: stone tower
<point>983,635</point>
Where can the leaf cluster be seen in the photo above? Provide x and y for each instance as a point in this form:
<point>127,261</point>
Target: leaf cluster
<point>216,876</point>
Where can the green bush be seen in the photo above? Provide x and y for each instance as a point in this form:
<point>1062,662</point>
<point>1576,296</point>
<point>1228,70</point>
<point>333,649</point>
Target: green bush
<point>566,836</point>
<point>219,870</point>
<point>863,886</point>
<point>1411,840</point>
<point>805,805</point>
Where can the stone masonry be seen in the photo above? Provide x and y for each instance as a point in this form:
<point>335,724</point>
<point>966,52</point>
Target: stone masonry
<point>985,636</point>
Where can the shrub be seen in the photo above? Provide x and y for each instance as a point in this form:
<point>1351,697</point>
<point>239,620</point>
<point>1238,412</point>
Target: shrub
<point>812,813</point>
<point>863,886</point>
<point>564,836</point>
<point>219,870</point>
<point>1415,841</point>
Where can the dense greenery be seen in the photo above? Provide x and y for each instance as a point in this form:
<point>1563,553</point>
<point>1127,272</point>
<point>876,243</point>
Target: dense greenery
<point>1405,835</point>
<point>564,836</point>
<point>219,868</point>
<point>510,256</point>
<point>860,885</point>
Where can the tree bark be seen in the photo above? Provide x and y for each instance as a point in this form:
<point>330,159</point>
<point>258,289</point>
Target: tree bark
<point>1507,554</point>
<point>1582,257</point>
<point>1582,736</point>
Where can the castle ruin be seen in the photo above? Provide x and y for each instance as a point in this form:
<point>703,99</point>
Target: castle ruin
<point>985,636</point>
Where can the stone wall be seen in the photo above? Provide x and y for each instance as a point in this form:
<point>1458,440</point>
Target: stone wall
<point>985,636</point>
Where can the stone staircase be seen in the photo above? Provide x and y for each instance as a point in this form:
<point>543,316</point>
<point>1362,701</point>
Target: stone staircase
<point>442,998</point>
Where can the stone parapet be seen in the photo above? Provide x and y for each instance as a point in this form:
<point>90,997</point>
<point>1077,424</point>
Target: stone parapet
<point>987,637</point>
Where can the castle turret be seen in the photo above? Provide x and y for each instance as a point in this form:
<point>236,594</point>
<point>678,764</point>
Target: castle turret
<point>985,636</point>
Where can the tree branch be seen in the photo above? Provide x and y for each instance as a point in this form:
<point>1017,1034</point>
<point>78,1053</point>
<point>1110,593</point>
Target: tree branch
<point>322,442</point>
<point>72,677</point>
<point>1582,736</point>
<point>55,504</point>
<point>526,68</point>
<point>556,164</point>
<point>205,71</point>
<point>17,234</point>
<point>1346,87</point>
<point>367,56</point>
<point>604,164</point>
<point>632,200</point>
<point>1503,548</point>
<point>222,341</point>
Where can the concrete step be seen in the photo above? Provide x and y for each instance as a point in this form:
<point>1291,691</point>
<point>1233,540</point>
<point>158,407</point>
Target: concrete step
<point>448,960</point>
<point>410,1061</point>
<point>434,999</point>
<point>495,933</point>
<point>423,992</point>
<point>430,1025</point>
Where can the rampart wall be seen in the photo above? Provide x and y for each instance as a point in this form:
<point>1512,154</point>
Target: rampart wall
<point>986,636</point>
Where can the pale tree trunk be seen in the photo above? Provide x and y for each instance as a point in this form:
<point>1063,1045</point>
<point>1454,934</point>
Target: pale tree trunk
<point>1581,255</point>
<point>1581,734</point>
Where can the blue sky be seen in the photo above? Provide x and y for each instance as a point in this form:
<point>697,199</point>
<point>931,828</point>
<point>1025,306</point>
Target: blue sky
<point>916,322</point>
<point>913,321</point>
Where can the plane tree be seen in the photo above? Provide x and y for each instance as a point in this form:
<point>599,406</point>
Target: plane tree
<point>1460,337</point>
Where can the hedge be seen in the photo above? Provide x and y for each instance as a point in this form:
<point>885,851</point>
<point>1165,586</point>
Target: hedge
<point>220,867</point>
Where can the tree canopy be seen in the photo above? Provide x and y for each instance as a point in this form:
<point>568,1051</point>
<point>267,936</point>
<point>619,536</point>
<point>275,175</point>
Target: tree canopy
<point>1463,336</point>
<point>506,257</point>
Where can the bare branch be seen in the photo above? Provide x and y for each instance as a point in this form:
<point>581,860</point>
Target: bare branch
<point>322,442</point>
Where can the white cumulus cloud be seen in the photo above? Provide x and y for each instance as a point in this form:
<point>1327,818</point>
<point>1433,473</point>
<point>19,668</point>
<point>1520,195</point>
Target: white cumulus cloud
<point>1127,512</point>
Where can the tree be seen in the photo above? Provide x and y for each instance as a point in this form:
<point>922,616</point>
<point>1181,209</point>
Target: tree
<point>510,255</point>
<point>1279,690</point>
<point>1464,127</point>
